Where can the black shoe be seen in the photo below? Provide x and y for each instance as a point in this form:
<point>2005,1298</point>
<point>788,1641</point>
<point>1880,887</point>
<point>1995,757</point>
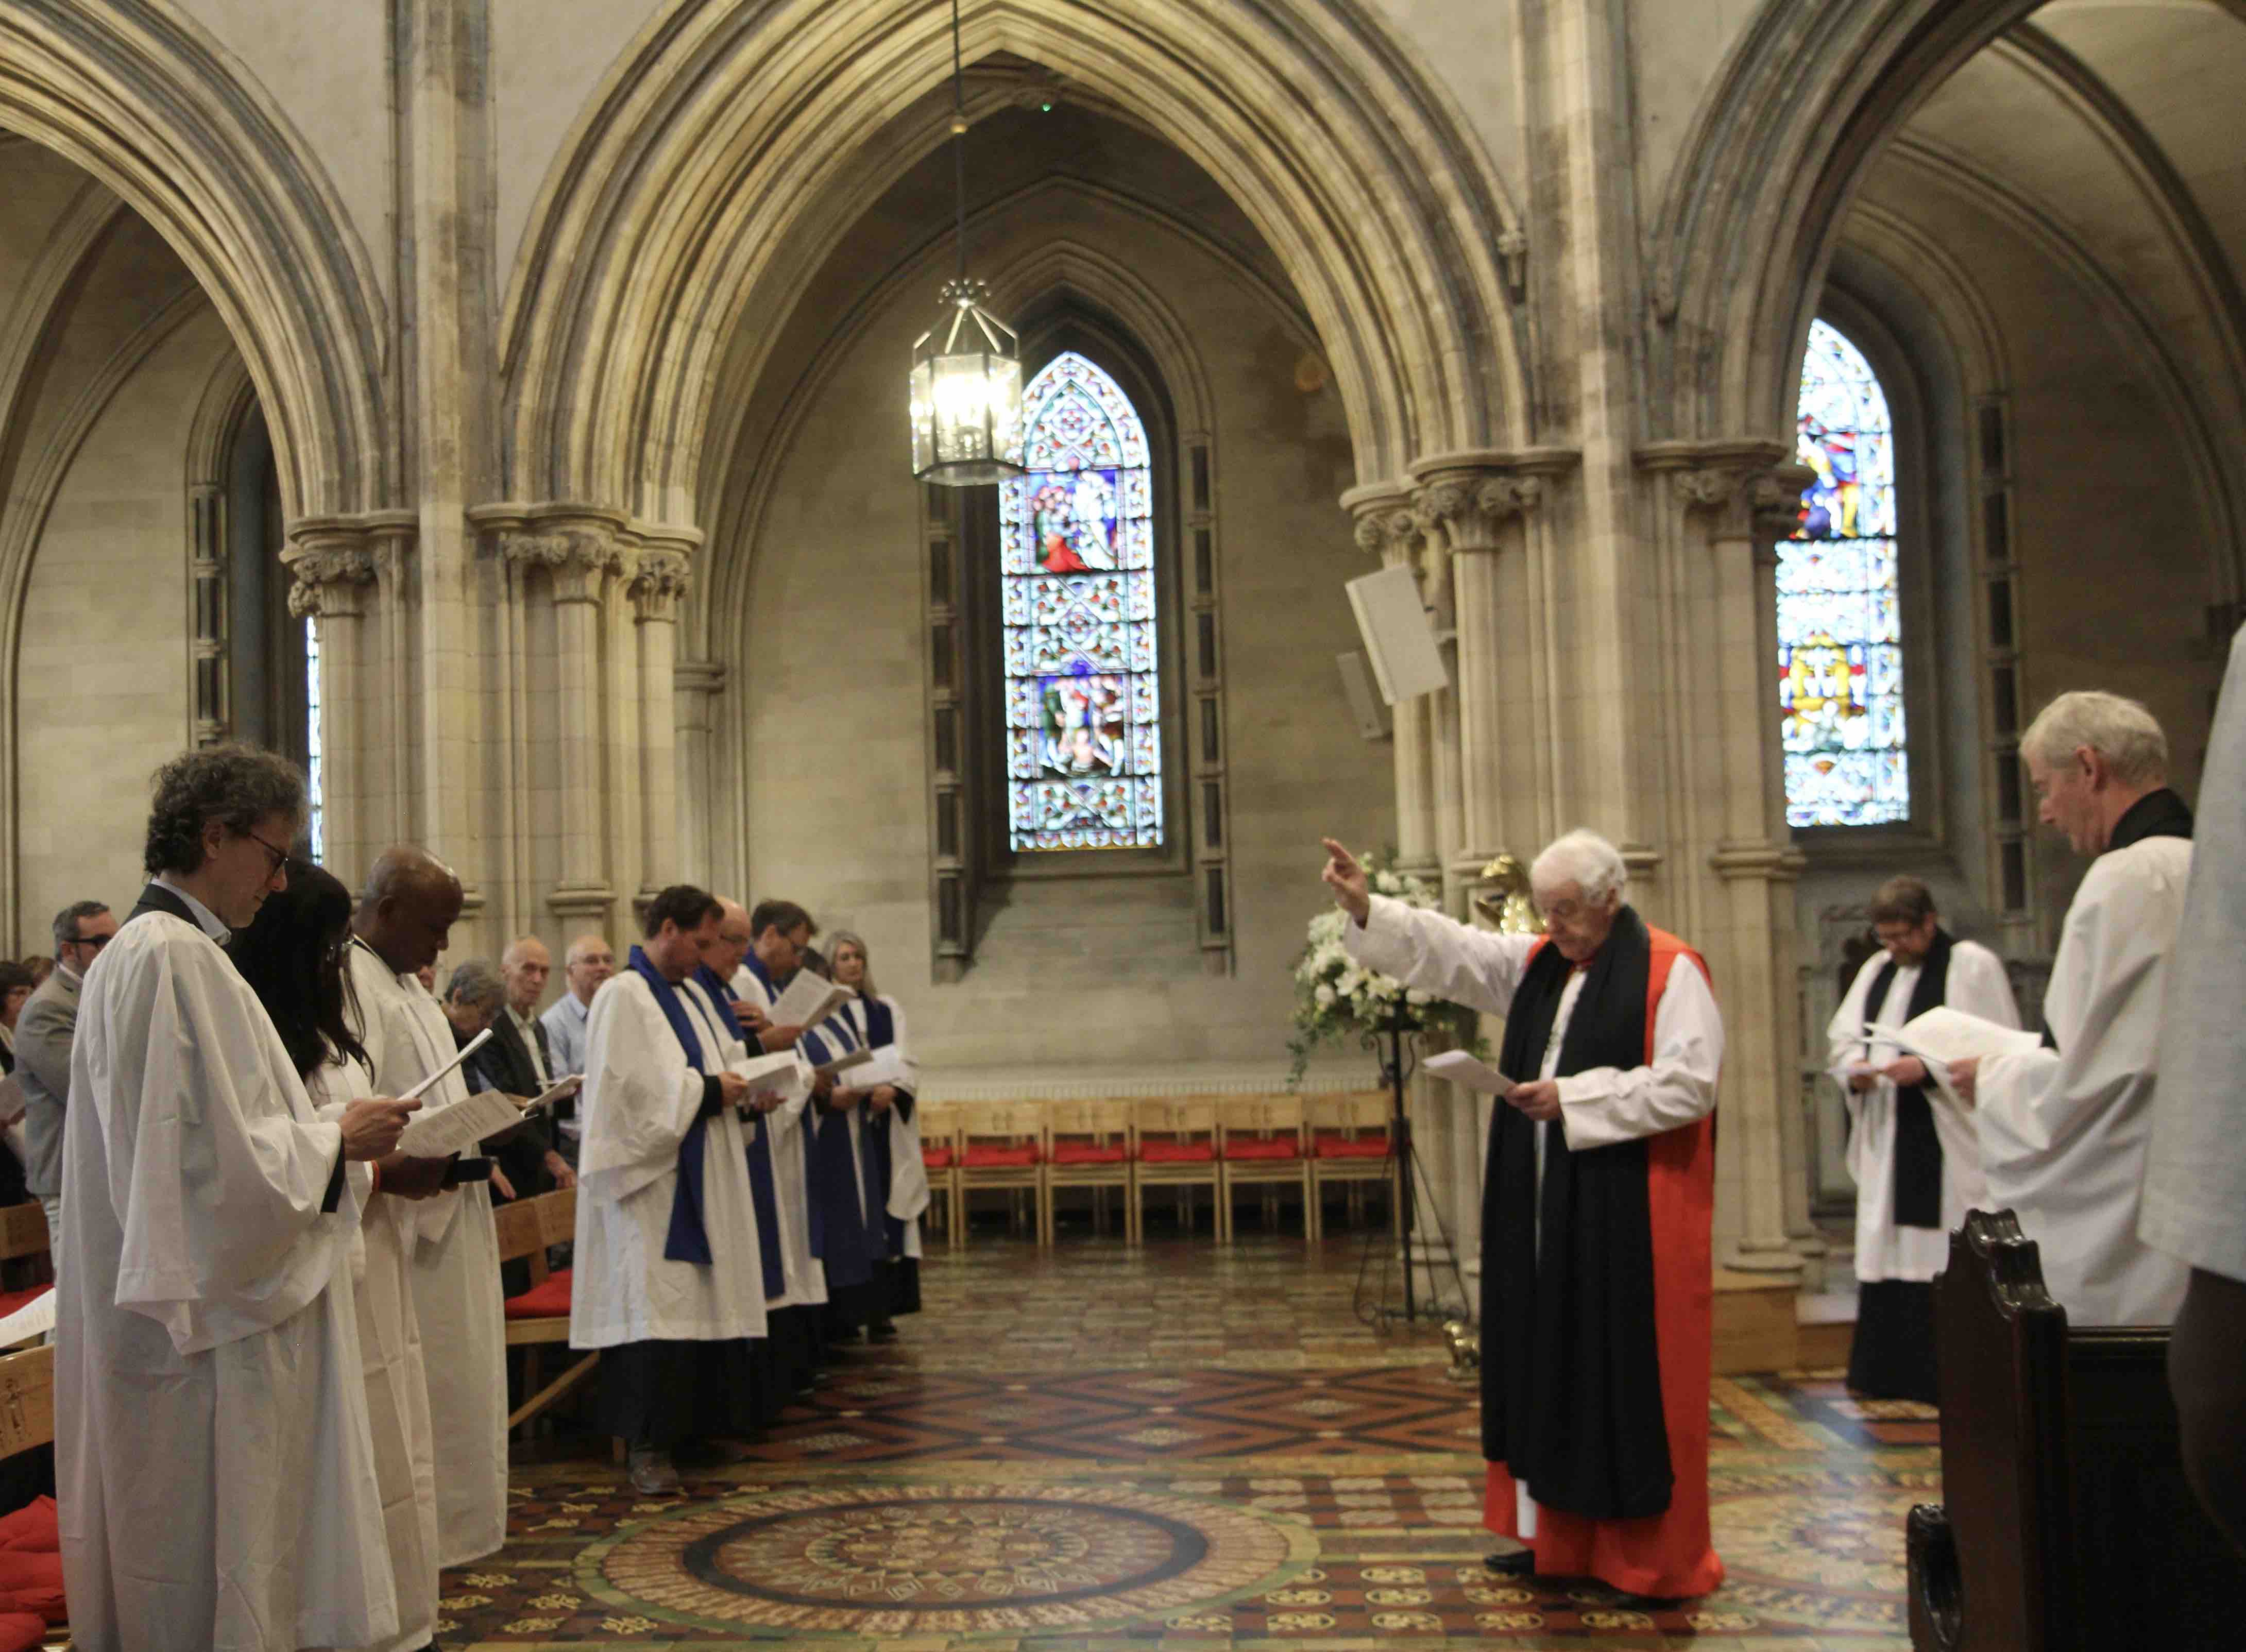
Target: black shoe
<point>1512,1562</point>
<point>881,1331</point>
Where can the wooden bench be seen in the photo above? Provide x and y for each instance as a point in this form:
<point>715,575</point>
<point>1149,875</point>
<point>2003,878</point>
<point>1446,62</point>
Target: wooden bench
<point>2067,1521</point>
<point>539,1318</point>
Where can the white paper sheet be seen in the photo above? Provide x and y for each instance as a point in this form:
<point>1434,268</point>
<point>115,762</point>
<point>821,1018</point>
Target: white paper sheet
<point>880,1067</point>
<point>562,1091</point>
<point>849,1061</point>
<point>808,1001</point>
<point>1942,1036</point>
<point>466,1051</point>
<point>458,1128</point>
<point>1456,1066</point>
<point>782,1073</point>
<point>34,1319</point>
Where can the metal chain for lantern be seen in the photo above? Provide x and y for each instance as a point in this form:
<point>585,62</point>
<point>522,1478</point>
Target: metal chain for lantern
<point>966,369</point>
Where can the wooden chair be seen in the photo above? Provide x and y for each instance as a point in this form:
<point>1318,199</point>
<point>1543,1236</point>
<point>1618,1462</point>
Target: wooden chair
<point>539,1318</point>
<point>939,1156</point>
<point>1088,1145</point>
<point>1001,1144</point>
<point>1348,1134</point>
<point>27,1269</point>
<point>27,1399</point>
<point>2067,1524</point>
<point>1176,1139</point>
<point>1260,1143</point>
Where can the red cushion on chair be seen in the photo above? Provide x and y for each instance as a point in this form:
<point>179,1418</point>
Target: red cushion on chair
<point>935,1158</point>
<point>1176,1152</point>
<point>1254,1147</point>
<point>22,1631</point>
<point>1331,1146</point>
<point>33,1583</point>
<point>1084,1152</point>
<point>33,1527</point>
<point>547,1300</point>
<point>10,1301</point>
<point>1001,1158</point>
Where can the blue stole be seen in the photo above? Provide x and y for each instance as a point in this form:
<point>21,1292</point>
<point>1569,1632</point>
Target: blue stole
<point>687,1241</point>
<point>880,1032</point>
<point>761,1192</point>
<point>854,1242</point>
<point>815,1221</point>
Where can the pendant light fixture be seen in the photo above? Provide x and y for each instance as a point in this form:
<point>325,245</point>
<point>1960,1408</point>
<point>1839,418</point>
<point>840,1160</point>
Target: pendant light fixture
<point>967,368</point>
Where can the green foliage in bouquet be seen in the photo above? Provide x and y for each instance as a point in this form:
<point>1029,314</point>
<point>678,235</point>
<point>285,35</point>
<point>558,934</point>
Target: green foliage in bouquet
<point>1337,999</point>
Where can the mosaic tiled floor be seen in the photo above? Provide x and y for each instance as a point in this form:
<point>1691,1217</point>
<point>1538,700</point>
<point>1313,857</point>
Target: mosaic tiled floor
<point>1183,1449</point>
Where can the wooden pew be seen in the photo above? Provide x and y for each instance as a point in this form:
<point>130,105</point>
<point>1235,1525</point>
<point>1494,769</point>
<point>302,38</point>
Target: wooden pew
<point>539,1318</point>
<point>2067,1522</point>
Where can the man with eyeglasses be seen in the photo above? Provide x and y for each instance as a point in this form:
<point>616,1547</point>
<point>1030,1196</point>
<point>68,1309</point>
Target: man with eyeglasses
<point>43,1050</point>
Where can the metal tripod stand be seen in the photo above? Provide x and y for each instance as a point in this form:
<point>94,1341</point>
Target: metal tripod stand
<point>1375,1299</point>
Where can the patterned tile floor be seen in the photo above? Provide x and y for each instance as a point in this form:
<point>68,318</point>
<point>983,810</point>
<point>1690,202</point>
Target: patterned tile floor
<point>1182,1448</point>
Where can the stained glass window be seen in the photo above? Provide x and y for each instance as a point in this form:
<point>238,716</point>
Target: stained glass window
<point>1083,701</point>
<point>1840,645</point>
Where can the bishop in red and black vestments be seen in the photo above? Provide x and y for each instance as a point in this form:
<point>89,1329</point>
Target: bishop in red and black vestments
<point>1596,1288</point>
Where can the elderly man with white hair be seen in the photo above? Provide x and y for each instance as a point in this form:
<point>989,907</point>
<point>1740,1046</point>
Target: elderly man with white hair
<point>2064,1128</point>
<point>1595,1278</point>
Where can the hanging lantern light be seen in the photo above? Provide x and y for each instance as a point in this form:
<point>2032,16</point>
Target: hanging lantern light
<point>967,368</point>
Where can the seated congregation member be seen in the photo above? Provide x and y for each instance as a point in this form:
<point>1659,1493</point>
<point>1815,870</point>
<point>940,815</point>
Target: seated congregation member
<point>45,1033</point>
<point>518,1062</point>
<point>293,955</point>
<point>668,1282</point>
<point>778,931</point>
<point>213,1460</point>
<point>589,962</point>
<point>2064,1128</point>
<point>1596,1282</point>
<point>405,915</point>
<point>472,996</point>
<point>891,1135</point>
<point>15,988</point>
<point>1916,1165</point>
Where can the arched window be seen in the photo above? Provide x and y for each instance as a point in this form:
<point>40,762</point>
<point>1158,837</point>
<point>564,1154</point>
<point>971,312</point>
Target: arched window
<point>1839,643</point>
<point>1082,694</point>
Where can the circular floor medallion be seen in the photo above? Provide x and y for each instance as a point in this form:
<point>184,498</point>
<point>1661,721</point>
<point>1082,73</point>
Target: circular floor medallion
<point>953,1559</point>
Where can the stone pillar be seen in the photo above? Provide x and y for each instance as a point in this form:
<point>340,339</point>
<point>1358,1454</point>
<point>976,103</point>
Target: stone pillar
<point>332,574</point>
<point>695,687</point>
<point>1384,528</point>
<point>658,582</point>
<point>1728,503</point>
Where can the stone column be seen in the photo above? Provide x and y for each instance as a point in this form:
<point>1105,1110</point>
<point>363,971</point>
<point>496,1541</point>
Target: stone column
<point>658,582</point>
<point>1384,528</point>
<point>1729,501</point>
<point>695,687</point>
<point>331,569</point>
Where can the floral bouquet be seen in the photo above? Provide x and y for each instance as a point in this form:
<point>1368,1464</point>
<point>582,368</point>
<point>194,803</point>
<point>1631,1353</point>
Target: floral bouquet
<point>1336,997</point>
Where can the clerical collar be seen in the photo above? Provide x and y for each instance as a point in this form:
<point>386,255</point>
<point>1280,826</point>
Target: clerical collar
<point>2156,815</point>
<point>212,925</point>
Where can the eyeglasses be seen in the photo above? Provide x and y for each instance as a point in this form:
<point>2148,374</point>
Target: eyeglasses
<point>280,857</point>
<point>96,941</point>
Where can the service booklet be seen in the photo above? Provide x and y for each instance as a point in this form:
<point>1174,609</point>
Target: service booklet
<point>807,1001</point>
<point>1456,1066</point>
<point>1942,1036</point>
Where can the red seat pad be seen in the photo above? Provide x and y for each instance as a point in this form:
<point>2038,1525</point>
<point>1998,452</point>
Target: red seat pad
<point>935,1158</point>
<point>1253,1148</point>
<point>1176,1152</point>
<point>22,1631</point>
<point>32,1583</point>
<point>547,1300</point>
<point>10,1301</point>
<point>1343,1147</point>
<point>999,1157</point>
<point>32,1528</point>
<point>1084,1152</point>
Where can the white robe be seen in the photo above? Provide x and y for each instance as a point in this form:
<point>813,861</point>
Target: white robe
<point>1599,1106</point>
<point>2195,1181</point>
<point>453,1251</point>
<point>907,1194</point>
<point>2064,1133</point>
<point>397,1387</point>
<point>641,1096</point>
<point>804,1275</point>
<point>217,1485</point>
<point>1977,984</point>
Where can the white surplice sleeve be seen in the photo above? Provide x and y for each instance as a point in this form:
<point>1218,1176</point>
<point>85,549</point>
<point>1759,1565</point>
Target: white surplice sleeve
<point>1978,985</point>
<point>641,1095</point>
<point>1430,952</point>
<point>1603,1105</point>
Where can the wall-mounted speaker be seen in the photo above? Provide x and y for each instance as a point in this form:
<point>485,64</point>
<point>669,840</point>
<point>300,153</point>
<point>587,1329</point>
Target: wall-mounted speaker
<point>1398,639</point>
<point>1363,696</point>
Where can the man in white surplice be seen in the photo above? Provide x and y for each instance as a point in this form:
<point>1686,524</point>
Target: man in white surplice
<point>215,1473</point>
<point>405,916</point>
<point>2064,1128</point>
<point>669,1280</point>
<point>1917,1161</point>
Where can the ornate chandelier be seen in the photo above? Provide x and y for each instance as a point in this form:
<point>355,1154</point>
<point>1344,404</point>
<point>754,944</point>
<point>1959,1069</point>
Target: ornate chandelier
<point>967,368</point>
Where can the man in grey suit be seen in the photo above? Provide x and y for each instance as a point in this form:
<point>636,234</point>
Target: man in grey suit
<point>43,1032</point>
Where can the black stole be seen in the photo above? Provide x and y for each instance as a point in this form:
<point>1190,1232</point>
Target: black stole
<point>157,898</point>
<point>1917,1148</point>
<point>2157,814</point>
<point>1571,1368</point>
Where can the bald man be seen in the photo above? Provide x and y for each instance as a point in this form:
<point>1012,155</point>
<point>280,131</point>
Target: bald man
<point>405,920</point>
<point>589,960</point>
<point>519,1061</point>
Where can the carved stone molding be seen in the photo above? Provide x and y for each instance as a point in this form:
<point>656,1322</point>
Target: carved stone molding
<point>698,676</point>
<point>334,561</point>
<point>1385,525</point>
<point>579,559</point>
<point>1463,499</point>
<point>659,578</point>
<point>1753,485</point>
<point>1770,862</point>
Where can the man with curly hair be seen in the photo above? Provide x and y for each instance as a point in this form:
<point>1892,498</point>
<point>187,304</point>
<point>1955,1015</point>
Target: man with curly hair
<point>212,1451</point>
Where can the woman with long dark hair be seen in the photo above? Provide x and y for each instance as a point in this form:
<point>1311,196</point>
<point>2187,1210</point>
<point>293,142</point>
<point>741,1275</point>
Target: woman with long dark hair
<point>293,955</point>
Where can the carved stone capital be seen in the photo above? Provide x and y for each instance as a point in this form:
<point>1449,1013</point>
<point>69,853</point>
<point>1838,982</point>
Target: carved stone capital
<point>580,559</point>
<point>1463,500</point>
<point>658,580</point>
<point>333,562</point>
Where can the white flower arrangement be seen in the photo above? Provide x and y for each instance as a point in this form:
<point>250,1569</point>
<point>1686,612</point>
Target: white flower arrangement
<point>1336,997</point>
